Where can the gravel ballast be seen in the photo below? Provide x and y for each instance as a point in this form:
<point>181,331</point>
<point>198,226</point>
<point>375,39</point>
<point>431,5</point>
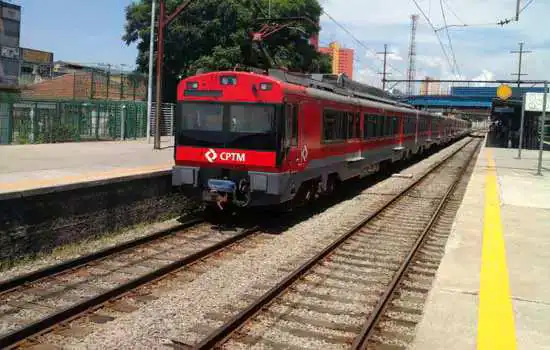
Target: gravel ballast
<point>182,308</point>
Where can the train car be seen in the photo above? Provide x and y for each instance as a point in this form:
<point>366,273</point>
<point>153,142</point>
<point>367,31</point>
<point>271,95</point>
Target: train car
<point>251,139</point>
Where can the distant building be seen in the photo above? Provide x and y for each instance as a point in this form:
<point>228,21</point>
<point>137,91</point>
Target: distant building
<point>82,82</point>
<point>314,41</point>
<point>36,66</point>
<point>430,87</point>
<point>342,59</point>
<point>10,30</point>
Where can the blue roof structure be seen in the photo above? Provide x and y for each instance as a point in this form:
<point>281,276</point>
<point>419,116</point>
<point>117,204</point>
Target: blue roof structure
<point>490,91</point>
<point>466,97</point>
<point>450,101</point>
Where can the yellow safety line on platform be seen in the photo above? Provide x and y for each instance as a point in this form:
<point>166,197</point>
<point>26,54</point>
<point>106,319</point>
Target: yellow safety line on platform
<point>496,328</point>
<point>72,179</point>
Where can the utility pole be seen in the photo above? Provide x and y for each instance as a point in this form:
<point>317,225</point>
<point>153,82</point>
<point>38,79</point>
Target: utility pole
<point>520,52</point>
<point>385,72</point>
<point>163,23</point>
<point>517,10</point>
<point>150,81</point>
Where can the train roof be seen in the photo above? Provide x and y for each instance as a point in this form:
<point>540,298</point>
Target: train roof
<point>342,89</point>
<point>338,88</point>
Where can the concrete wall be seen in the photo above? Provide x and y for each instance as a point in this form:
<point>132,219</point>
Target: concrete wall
<point>36,223</point>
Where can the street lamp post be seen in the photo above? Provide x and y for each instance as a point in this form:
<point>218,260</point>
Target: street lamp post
<point>150,81</point>
<point>163,23</point>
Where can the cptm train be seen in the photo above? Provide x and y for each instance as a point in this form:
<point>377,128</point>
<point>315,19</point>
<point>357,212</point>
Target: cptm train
<point>249,139</point>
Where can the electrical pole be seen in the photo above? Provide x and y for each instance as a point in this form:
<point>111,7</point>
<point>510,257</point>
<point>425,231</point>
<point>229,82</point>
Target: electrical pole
<point>150,82</point>
<point>520,52</point>
<point>517,10</point>
<point>385,72</point>
<point>411,72</point>
<point>163,23</point>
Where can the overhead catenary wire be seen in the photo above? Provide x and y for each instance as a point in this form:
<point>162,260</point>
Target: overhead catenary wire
<point>449,37</point>
<point>501,22</point>
<point>359,41</point>
<point>453,12</point>
<point>436,35</point>
<point>526,6</point>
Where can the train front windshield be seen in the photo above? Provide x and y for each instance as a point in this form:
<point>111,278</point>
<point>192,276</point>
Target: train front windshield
<point>227,125</point>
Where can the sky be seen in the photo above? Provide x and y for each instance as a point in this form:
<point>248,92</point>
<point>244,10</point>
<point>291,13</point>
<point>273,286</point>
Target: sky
<point>84,31</point>
<point>482,51</point>
<point>90,31</point>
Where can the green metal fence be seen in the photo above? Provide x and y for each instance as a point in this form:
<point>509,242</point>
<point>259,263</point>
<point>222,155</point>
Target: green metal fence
<point>24,121</point>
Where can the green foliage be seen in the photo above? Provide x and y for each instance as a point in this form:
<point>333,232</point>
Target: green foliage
<point>216,35</point>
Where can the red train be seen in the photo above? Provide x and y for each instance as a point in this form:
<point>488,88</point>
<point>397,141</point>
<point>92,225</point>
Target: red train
<point>266,139</point>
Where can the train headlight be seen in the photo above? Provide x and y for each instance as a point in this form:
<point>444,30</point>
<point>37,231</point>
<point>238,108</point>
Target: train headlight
<point>192,85</point>
<point>266,86</point>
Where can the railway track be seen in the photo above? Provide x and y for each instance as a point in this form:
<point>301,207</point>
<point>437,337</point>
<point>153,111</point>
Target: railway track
<point>35,303</point>
<point>360,291</point>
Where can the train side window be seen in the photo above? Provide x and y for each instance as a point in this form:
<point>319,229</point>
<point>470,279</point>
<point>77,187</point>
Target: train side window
<point>349,124</point>
<point>373,126</point>
<point>335,125</point>
<point>295,112</point>
<point>387,125</point>
<point>357,125</point>
<point>380,125</point>
<point>395,125</point>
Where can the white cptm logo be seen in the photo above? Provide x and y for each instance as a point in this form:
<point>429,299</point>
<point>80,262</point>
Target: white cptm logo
<point>211,156</point>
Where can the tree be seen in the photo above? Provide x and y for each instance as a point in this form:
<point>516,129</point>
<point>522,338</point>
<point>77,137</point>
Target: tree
<point>216,35</point>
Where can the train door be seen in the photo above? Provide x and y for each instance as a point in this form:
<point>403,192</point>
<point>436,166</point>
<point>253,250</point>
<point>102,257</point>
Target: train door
<point>302,147</point>
<point>416,128</point>
<point>402,119</point>
<point>297,151</point>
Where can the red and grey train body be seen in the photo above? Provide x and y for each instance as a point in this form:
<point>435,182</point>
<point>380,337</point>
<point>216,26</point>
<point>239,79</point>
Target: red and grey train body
<point>258,140</point>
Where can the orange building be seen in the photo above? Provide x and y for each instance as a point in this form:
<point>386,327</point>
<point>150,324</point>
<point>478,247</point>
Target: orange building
<point>342,59</point>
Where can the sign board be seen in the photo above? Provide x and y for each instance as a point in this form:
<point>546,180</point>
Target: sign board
<point>504,110</point>
<point>533,102</point>
<point>9,52</point>
<point>36,56</point>
<point>504,92</point>
<point>11,13</point>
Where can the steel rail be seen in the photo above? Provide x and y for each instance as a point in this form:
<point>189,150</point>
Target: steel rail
<point>225,331</point>
<point>41,326</point>
<point>361,340</point>
<point>49,271</point>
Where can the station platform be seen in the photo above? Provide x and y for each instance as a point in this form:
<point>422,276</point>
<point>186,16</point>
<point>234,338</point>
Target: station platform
<point>30,168</point>
<point>492,289</point>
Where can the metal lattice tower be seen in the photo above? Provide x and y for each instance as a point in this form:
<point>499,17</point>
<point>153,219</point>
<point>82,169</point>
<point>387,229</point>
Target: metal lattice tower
<point>411,72</point>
